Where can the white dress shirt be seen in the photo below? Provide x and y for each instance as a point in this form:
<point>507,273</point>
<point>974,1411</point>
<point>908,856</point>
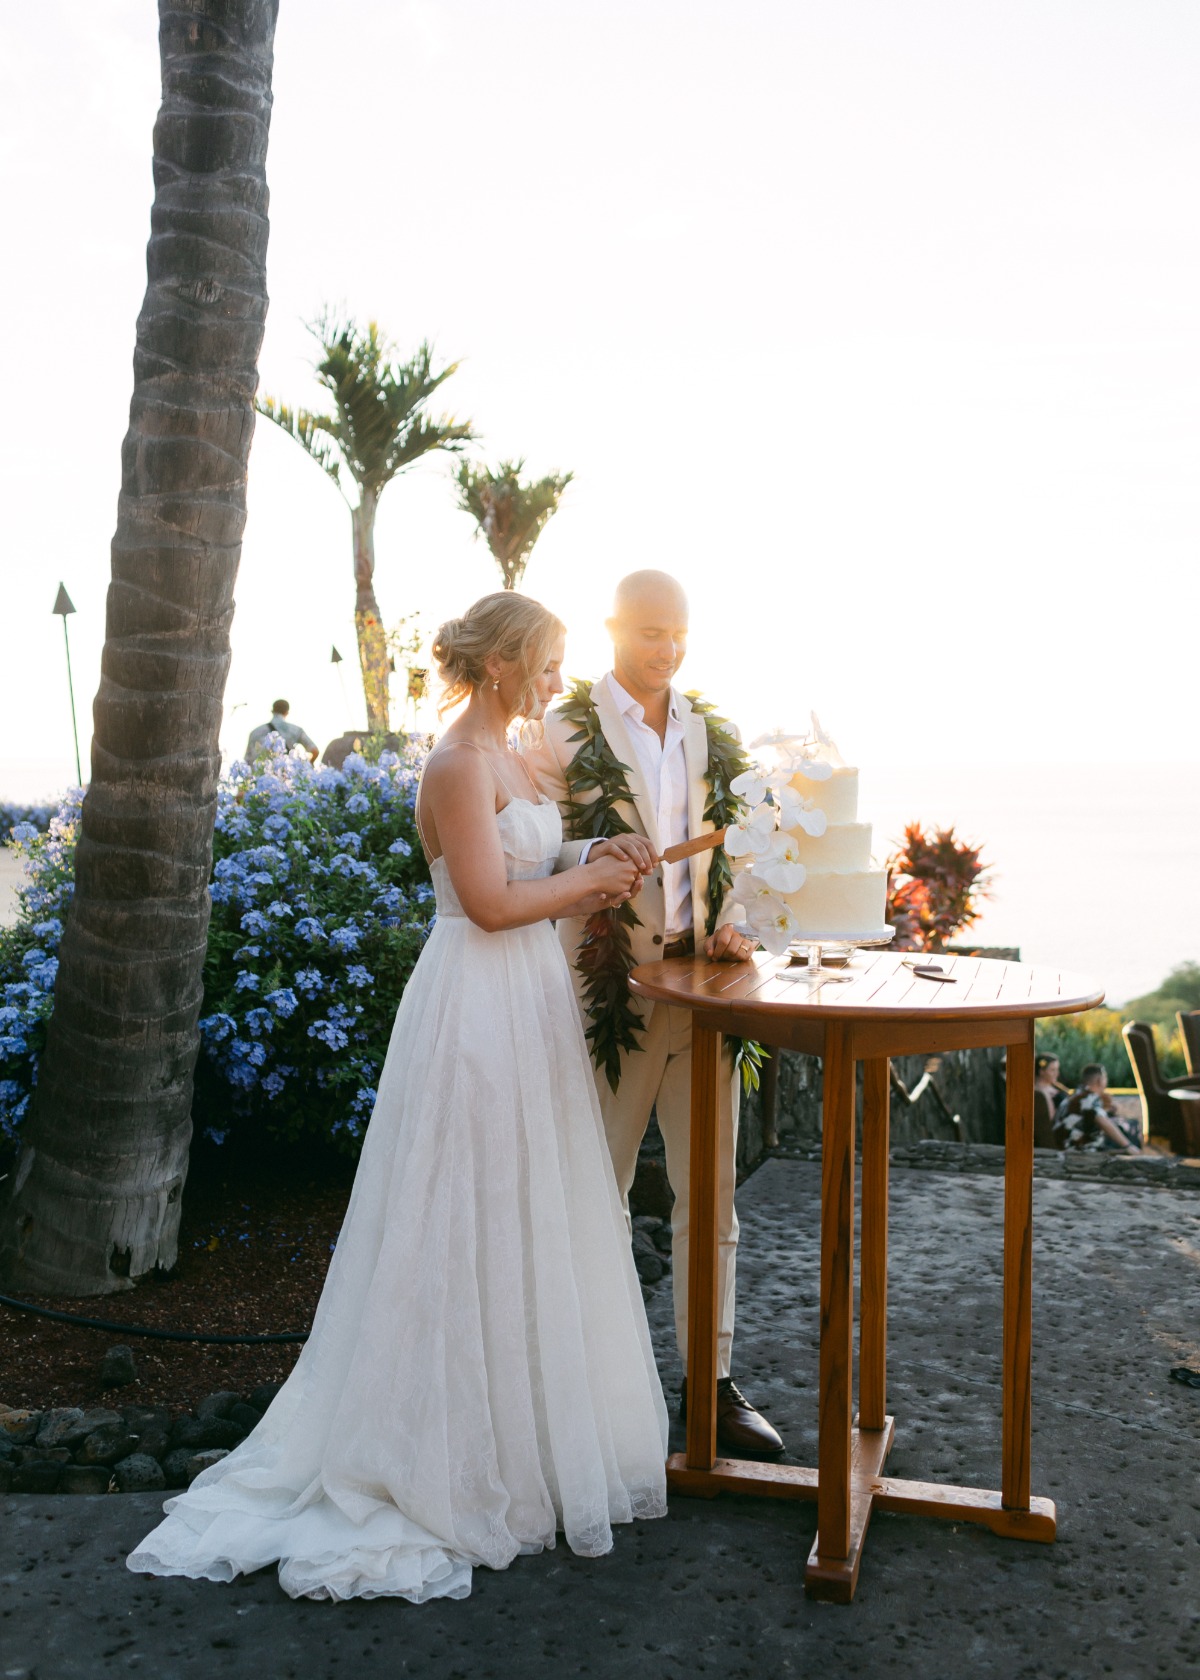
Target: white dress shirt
<point>664,767</point>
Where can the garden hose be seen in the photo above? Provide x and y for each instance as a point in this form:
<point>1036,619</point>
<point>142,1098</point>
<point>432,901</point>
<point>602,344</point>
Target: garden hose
<point>147,1330</point>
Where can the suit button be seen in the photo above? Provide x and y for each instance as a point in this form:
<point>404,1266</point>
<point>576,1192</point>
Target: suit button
<point>658,880</point>
<point>657,939</point>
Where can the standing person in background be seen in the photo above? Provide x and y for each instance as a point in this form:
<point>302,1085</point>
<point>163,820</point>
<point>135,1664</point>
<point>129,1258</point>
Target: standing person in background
<point>656,749</point>
<point>292,733</point>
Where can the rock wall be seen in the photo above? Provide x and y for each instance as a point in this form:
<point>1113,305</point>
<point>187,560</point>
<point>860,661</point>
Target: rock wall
<point>961,1101</point>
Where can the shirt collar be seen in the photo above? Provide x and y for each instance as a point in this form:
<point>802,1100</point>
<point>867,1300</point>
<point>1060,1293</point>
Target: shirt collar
<point>633,708</point>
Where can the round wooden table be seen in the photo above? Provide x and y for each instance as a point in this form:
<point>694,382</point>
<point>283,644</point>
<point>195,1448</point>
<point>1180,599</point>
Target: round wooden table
<point>883,1010</point>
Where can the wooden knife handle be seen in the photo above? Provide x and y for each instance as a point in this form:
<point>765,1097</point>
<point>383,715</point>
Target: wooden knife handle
<point>689,848</point>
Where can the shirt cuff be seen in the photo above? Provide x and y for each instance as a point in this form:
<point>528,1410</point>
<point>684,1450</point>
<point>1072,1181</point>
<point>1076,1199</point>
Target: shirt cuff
<point>587,846</point>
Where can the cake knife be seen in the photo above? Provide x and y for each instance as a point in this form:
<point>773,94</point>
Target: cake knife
<point>689,848</point>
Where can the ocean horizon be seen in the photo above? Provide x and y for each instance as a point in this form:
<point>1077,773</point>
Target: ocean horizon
<point>1095,867</point>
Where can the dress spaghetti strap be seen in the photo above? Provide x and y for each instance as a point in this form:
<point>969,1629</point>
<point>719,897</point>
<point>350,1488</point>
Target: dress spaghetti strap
<point>496,773</point>
<point>503,780</point>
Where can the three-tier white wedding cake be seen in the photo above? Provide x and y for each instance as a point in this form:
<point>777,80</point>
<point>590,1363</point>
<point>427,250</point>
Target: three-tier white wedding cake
<point>842,895</point>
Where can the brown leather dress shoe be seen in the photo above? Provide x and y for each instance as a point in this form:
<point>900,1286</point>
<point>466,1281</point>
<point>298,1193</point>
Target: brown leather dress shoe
<point>741,1431</point>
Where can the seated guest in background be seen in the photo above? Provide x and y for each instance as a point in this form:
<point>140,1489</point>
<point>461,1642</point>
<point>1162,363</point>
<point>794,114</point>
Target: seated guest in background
<point>1088,1118</point>
<point>292,733</point>
<point>1048,1092</point>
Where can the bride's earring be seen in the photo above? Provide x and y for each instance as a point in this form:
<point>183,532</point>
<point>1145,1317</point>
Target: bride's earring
<point>496,684</point>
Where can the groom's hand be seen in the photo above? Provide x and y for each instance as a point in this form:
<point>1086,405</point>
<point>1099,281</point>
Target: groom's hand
<point>728,945</point>
<point>634,847</point>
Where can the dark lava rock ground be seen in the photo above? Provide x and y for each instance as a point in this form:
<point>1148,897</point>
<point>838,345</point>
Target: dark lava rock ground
<point>715,1588</point>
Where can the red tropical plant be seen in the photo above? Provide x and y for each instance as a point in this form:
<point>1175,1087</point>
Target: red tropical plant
<point>936,883</point>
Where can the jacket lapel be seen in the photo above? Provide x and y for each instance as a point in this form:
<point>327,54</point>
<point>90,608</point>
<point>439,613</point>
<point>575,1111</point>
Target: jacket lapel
<point>619,739</point>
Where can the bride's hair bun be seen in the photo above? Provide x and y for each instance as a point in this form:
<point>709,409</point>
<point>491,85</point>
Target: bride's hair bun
<point>507,626</point>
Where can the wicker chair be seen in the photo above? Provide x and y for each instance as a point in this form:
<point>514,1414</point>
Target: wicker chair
<point>1163,1117</point>
<point>1189,1032</point>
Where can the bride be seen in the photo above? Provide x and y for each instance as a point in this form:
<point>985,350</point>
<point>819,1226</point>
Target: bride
<point>479,1373</point>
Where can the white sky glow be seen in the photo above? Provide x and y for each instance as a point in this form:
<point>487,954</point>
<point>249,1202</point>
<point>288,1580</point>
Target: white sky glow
<point>875,323</point>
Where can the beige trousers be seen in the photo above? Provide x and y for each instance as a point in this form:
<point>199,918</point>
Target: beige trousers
<point>659,1075</point>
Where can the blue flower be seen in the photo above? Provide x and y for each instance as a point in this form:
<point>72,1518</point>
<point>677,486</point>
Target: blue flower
<point>255,922</point>
<point>24,833</point>
<point>217,1028</point>
<point>347,938</point>
<point>359,976</point>
<point>328,1033</point>
<point>310,981</point>
<point>309,928</point>
<point>400,848</point>
<point>51,929</point>
<point>283,1000</point>
<point>350,841</point>
<point>246,982</point>
<point>277,827</point>
<point>259,1022</point>
<point>358,803</point>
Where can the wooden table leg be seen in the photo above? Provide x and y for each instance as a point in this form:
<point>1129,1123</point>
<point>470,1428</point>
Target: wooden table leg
<point>1018,1273</point>
<point>837,1292</point>
<point>702,1259</point>
<point>872,1330</point>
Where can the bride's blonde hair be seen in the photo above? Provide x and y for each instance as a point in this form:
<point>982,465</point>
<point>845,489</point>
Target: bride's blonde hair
<point>509,626</point>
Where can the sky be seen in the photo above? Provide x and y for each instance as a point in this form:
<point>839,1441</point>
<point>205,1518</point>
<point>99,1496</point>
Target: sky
<point>876,324</point>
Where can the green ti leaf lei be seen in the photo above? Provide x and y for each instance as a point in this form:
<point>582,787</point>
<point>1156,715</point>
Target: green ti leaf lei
<point>605,954</point>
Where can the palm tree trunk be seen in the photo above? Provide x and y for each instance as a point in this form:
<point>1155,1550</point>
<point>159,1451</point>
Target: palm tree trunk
<point>368,625</point>
<point>96,1195</point>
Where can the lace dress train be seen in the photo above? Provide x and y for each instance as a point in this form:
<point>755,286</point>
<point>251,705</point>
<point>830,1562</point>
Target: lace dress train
<point>479,1373</point>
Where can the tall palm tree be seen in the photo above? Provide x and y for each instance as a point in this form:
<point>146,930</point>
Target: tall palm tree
<point>96,1196</point>
<point>510,515</point>
<point>380,426</point>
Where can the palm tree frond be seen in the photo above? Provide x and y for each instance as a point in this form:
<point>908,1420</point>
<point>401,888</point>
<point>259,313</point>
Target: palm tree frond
<point>510,514</point>
<point>315,433</point>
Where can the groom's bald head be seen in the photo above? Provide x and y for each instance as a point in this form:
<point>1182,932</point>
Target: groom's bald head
<point>649,626</point>
<point>657,592</point>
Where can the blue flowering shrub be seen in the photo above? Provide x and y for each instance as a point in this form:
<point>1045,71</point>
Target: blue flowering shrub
<point>29,952</point>
<point>13,816</point>
<point>321,904</point>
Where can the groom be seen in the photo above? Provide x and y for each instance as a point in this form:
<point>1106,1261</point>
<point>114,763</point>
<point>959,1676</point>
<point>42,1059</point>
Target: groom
<point>647,750</point>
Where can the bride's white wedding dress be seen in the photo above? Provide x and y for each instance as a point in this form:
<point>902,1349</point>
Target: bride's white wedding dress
<point>479,1373</point>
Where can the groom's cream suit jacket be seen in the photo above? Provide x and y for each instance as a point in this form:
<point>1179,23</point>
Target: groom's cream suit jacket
<point>548,759</point>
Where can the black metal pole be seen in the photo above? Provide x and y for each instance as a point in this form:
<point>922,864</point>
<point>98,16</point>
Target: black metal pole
<point>71,689</point>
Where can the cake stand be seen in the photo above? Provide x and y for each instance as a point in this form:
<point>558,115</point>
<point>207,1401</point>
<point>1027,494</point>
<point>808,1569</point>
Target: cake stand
<point>811,973</point>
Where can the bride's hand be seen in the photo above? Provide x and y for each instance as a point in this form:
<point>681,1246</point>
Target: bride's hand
<point>609,880</point>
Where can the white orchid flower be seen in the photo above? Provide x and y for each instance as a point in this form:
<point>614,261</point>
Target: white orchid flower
<point>795,811</point>
<point>747,888</point>
<point>751,785</point>
<point>816,769</point>
<point>751,833</point>
<point>779,867</point>
<point>773,923</point>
